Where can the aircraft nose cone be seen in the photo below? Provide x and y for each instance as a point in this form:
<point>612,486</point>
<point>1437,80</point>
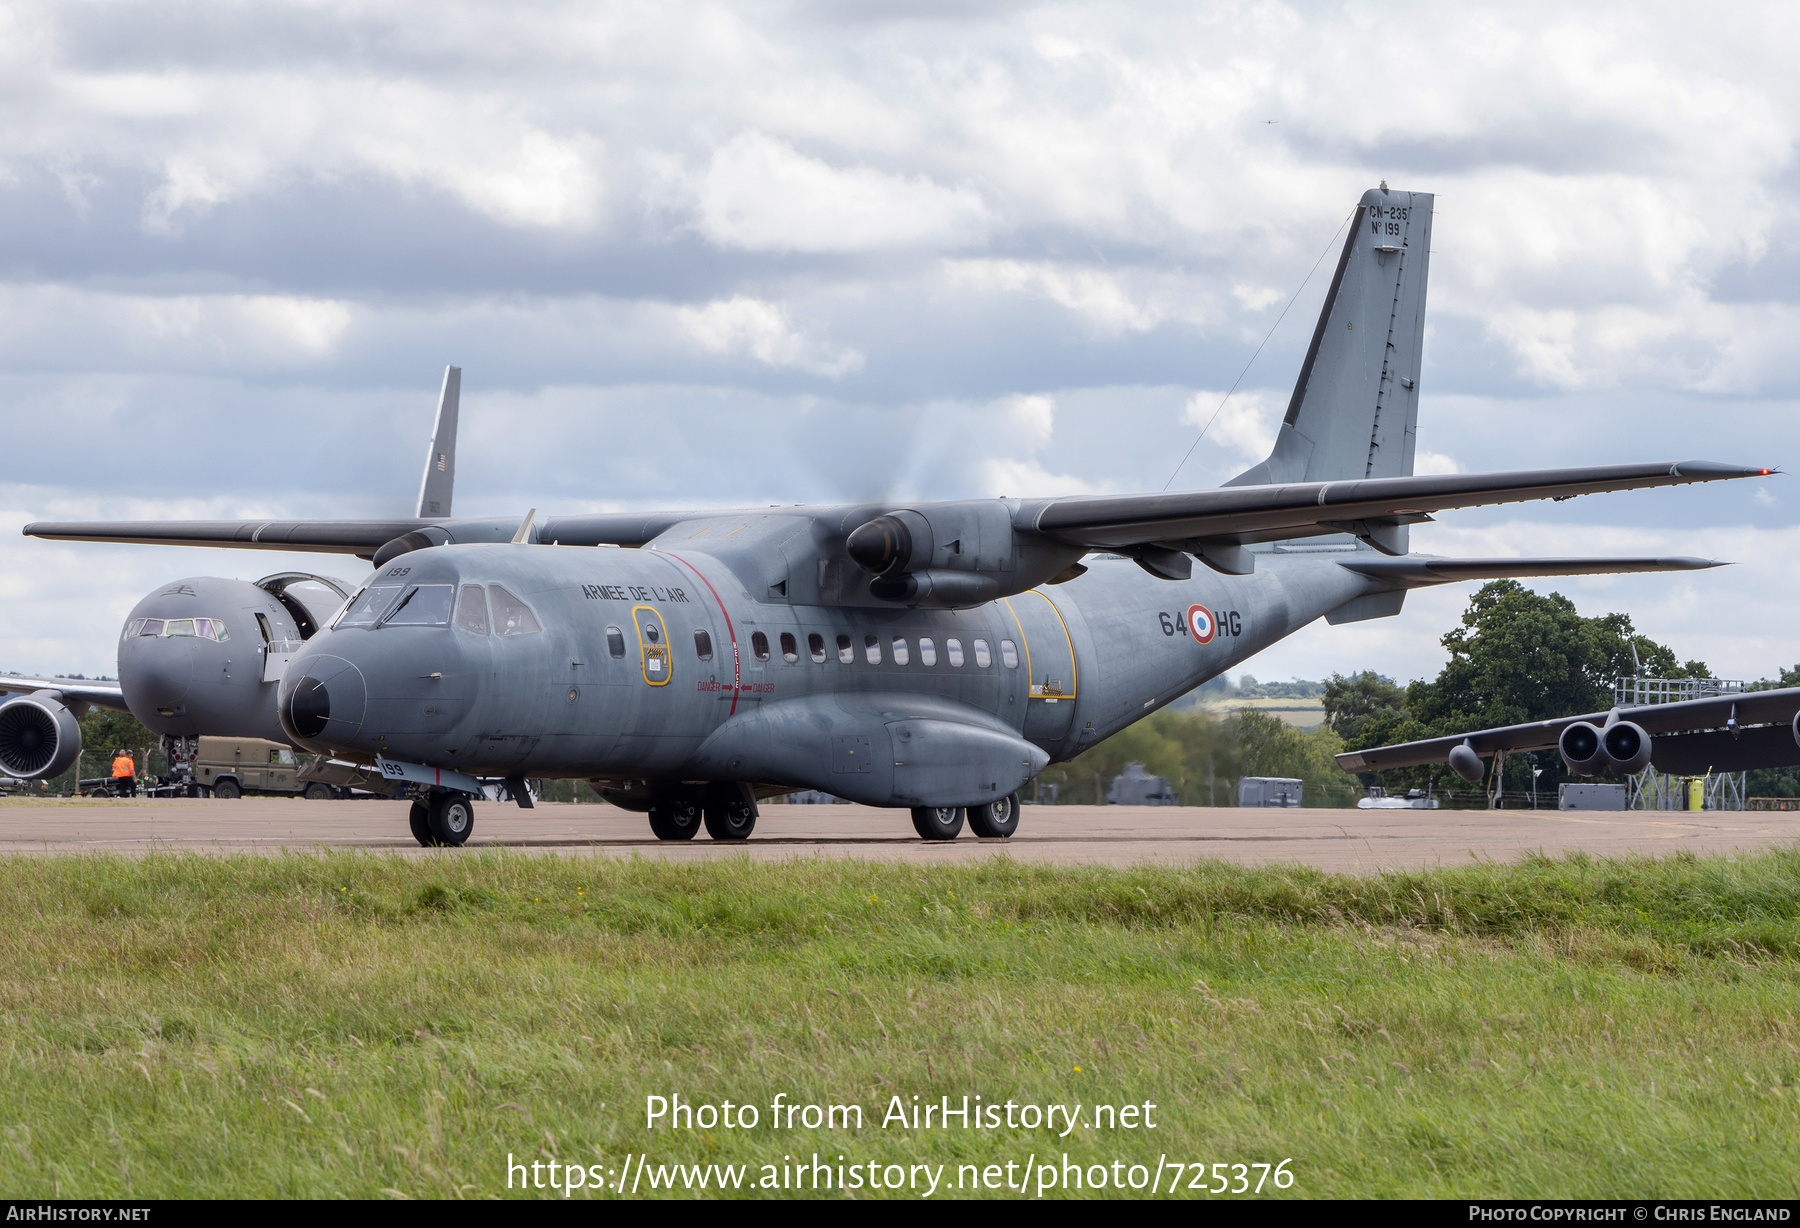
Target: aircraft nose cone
<point>156,673</point>
<point>322,709</point>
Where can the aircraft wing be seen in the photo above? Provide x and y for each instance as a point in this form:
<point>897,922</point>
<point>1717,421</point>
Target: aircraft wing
<point>1245,514</point>
<point>1419,570</point>
<point>72,690</point>
<point>360,537</point>
<point>1715,713</point>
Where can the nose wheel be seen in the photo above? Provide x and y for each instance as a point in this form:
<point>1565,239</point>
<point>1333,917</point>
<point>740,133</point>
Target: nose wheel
<point>446,820</point>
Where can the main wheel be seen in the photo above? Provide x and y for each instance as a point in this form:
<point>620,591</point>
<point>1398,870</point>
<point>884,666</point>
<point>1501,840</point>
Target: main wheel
<point>937,822</point>
<point>227,789</point>
<point>675,820</point>
<point>734,820</point>
<point>317,792</point>
<point>996,820</point>
<point>452,818</point>
<point>419,819</point>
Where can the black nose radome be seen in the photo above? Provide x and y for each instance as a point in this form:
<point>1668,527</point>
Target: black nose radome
<point>309,708</point>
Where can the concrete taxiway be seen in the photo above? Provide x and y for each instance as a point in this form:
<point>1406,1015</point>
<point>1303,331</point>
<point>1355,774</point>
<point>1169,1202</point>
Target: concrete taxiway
<point>1357,841</point>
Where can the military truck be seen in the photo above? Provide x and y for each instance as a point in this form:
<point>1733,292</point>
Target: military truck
<point>232,767</point>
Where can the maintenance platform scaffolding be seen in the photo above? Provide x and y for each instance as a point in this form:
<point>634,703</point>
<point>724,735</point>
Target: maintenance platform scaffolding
<point>1653,790</point>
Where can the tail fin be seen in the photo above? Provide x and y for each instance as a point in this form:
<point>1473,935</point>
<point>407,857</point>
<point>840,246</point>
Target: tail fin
<point>440,461</point>
<point>1355,409</point>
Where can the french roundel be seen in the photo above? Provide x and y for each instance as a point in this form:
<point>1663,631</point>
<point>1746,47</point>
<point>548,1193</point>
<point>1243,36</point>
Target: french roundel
<point>1200,624</point>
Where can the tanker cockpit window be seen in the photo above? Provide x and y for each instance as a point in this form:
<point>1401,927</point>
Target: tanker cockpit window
<point>703,645</point>
<point>471,615</point>
<point>615,643</point>
<point>790,647</point>
<point>425,605</point>
<point>367,607</point>
<point>759,646</point>
<point>511,616</point>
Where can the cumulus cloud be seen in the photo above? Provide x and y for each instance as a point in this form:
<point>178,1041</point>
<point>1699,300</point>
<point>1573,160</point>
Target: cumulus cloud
<point>762,330</point>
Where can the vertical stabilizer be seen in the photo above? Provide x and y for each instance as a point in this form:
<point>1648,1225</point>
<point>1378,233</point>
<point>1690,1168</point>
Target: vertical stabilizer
<point>440,461</point>
<point>1355,409</point>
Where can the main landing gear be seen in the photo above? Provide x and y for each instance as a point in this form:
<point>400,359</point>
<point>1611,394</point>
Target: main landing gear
<point>443,819</point>
<point>991,821</point>
<point>727,811</point>
<point>674,820</point>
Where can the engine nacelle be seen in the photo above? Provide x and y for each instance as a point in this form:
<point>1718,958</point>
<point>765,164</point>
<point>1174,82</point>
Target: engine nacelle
<point>1581,750</point>
<point>1626,747</point>
<point>1466,763</point>
<point>39,738</point>
<point>953,555</point>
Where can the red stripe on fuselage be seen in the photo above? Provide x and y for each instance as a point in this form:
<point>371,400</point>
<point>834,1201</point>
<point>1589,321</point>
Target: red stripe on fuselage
<point>737,672</point>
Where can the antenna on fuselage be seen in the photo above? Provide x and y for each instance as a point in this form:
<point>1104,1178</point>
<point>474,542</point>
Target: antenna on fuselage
<point>440,460</point>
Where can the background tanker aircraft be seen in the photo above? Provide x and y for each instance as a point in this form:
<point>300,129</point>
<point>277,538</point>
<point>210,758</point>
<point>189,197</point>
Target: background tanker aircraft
<point>203,655</point>
<point>934,656</point>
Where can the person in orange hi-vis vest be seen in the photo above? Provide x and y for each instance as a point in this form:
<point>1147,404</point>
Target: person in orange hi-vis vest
<point>124,774</point>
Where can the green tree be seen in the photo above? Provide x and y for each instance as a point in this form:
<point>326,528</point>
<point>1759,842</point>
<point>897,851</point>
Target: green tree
<point>1351,703</point>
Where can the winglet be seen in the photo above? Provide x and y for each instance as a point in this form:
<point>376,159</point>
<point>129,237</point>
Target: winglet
<point>523,536</point>
<point>440,460</point>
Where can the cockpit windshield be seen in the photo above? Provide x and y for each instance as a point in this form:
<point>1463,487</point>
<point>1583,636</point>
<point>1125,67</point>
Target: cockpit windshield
<point>367,607</point>
<point>203,628</point>
<point>425,605</point>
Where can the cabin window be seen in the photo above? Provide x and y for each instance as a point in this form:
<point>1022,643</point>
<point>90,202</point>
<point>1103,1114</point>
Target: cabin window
<point>615,642</point>
<point>1009,654</point>
<point>427,605</point>
<point>471,615</point>
<point>790,648</point>
<point>703,645</point>
<point>759,646</point>
<point>872,649</point>
<point>927,651</point>
<point>815,644</point>
<point>953,649</point>
<point>899,647</point>
<point>846,653</point>
<point>511,616</point>
<point>983,658</point>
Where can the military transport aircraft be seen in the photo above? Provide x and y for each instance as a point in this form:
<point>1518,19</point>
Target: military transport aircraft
<point>1732,732</point>
<point>204,655</point>
<point>928,655</point>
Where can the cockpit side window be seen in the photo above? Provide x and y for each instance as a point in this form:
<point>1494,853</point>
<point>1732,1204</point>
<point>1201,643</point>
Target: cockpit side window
<point>367,607</point>
<point>425,605</point>
<point>471,615</point>
<point>511,616</point>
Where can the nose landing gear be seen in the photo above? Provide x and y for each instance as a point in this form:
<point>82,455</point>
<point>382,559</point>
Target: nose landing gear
<point>444,819</point>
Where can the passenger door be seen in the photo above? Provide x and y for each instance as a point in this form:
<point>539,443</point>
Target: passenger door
<point>1050,662</point>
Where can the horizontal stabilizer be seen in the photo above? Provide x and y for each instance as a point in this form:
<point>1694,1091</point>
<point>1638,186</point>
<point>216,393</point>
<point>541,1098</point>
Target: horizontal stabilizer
<point>1419,570</point>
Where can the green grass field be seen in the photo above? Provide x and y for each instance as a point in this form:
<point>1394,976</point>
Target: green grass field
<point>368,1026</point>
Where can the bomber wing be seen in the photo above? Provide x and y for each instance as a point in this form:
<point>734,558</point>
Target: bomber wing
<point>73,691</point>
<point>1726,714</point>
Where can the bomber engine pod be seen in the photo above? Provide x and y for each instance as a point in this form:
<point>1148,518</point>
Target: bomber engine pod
<point>1465,762</point>
<point>38,738</point>
<point>1580,749</point>
<point>1626,747</point>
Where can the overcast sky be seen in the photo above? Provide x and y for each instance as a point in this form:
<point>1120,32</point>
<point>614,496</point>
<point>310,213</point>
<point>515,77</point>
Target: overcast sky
<point>749,254</point>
